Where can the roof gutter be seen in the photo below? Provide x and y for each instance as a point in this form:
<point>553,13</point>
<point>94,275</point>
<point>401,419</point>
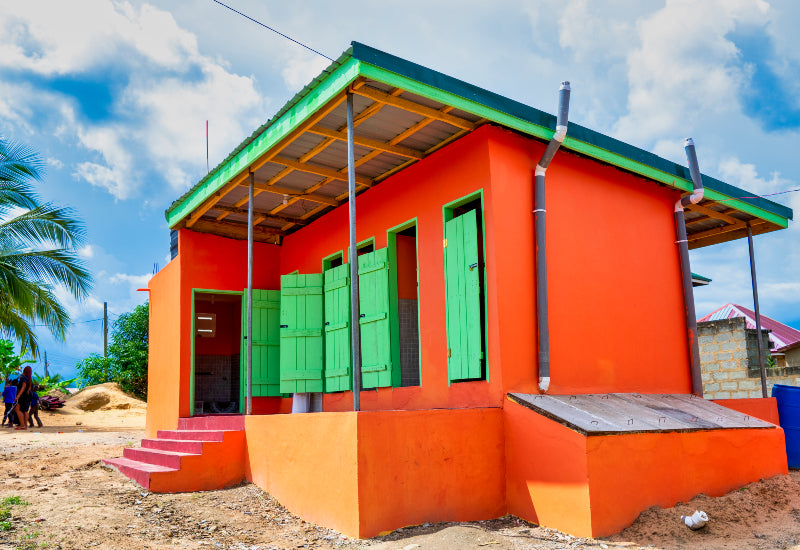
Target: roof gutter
<point>686,273</point>
<point>542,319</point>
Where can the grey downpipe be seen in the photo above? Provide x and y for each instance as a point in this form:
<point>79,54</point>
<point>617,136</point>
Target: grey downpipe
<point>686,273</point>
<point>542,321</point>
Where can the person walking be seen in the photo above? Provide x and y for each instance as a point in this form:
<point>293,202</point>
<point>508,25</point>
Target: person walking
<point>9,399</point>
<point>23,398</point>
<point>34,412</point>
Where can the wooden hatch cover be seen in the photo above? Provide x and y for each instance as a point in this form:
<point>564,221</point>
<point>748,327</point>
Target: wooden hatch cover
<point>626,413</point>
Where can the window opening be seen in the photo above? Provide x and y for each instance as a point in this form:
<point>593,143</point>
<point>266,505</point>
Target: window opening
<point>217,338</point>
<point>408,305</point>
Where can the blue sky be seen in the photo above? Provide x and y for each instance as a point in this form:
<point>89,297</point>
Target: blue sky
<point>115,96</point>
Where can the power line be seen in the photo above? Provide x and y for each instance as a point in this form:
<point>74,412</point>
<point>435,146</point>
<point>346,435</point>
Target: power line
<point>273,30</point>
<point>760,196</point>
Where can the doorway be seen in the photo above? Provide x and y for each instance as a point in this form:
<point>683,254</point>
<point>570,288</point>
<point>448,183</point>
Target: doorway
<point>217,343</point>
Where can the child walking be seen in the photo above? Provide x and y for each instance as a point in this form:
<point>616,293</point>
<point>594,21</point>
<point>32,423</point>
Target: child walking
<point>34,412</point>
<point>9,399</point>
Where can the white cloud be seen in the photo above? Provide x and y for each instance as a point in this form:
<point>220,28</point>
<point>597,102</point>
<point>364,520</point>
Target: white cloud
<point>301,67</point>
<point>162,89</point>
<point>54,163</point>
<point>684,67</point>
<point>86,252</point>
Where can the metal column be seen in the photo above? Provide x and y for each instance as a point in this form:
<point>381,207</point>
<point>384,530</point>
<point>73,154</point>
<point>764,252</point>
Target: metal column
<point>249,351</point>
<point>761,368</point>
<point>355,327</point>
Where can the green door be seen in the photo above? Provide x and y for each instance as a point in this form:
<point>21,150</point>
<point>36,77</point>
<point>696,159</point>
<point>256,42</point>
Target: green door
<point>463,296</point>
<point>375,319</point>
<point>337,329</point>
<point>266,343</point>
<point>301,333</point>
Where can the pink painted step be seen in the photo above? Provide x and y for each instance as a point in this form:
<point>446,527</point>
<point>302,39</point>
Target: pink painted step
<point>137,471</point>
<point>192,435</point>
<point>183,460</point>
<point>170,459</point>
<point>212,422</point>
<point>175,445</point>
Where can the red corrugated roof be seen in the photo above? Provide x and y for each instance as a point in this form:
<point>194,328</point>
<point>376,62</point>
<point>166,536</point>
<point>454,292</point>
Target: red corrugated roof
<point>782,335</point>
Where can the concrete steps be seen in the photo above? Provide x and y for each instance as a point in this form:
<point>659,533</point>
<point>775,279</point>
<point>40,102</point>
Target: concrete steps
<point>195,457</point>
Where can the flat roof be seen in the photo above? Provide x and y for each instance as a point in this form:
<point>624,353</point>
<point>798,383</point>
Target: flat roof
<point>404,112</point>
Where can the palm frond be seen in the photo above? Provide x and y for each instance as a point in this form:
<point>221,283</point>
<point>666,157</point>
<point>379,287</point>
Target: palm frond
<point>44,223</point>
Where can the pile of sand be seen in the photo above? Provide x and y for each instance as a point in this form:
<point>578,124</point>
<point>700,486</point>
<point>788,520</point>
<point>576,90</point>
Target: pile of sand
<point>103,397</point>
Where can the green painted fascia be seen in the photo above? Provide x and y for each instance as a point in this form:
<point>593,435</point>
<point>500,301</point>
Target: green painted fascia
<point>289,121</point>
<point>393,79</point>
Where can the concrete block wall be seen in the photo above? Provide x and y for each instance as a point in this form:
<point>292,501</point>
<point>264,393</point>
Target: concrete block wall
<point>729,359</point>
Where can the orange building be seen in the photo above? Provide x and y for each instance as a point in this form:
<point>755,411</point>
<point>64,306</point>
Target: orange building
<point>451,421</point>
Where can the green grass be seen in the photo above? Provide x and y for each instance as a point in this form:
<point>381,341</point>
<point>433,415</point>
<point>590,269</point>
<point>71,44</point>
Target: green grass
<point>15,500</point>
<point>5,526</point>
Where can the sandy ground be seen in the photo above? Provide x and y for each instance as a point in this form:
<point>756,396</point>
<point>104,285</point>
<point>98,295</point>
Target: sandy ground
<point>73,502</point>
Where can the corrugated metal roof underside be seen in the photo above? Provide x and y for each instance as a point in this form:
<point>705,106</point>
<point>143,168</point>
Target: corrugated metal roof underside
<point>303,174</point>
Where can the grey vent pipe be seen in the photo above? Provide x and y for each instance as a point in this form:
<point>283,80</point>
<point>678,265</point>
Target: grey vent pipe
<point>686,273</point>
<point>542,321</point>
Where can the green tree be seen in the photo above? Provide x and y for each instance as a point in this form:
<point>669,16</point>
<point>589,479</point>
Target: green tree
<point>38,243</point>
<point>126,363</point>
<point>10,361</point>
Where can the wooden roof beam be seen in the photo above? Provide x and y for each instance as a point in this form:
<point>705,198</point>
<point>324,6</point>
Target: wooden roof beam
<point>368,142</point>
<point>319,170</point>
<point>711,213</point>
<point>758,227</point>
<point>262,214</point>
<point>313,197</point>
<point>405,104</point>
<point>237,230</point>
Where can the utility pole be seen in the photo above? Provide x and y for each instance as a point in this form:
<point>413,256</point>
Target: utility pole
<point>105,329</point>
<point>46,374</point>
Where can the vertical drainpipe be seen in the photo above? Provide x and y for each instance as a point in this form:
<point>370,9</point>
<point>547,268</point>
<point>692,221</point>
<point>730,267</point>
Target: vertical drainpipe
<point>686,274</point>
<point>249,409</point>
<point>542,320</point>
<point>355,328</point>
<point>759,344</point>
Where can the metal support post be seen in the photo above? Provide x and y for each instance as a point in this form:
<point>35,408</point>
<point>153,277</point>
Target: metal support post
<point>761,368</point>
<point>355,327</point>
<point>105,329</point>
<point>249,409</point>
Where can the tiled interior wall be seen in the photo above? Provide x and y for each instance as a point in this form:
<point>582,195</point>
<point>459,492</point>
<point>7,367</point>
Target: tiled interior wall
<point>216,378</point>
<point>409,342</point>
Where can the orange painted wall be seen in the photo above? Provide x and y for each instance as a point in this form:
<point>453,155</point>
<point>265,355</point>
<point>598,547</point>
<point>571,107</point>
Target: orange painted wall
<point>428,466</point>
<point>309,462</point>
<point>615,302</point>
<point>547,477</point>
<point>163,383</point>
<point>670,467</point>
<point>765,408</point>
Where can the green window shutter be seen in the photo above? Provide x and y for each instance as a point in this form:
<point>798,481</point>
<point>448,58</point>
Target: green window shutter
<point>462,288</point>
<point>375,319</point>
<point>338,365</point>
<point>301,333</point>
<point>266,343</point>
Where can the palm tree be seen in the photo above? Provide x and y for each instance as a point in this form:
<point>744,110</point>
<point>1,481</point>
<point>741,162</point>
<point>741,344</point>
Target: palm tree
<point>38,243</point>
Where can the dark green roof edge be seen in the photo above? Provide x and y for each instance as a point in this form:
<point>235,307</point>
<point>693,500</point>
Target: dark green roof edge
<point>530,114</point>
<point>700,277</point>
<point>510,107</point>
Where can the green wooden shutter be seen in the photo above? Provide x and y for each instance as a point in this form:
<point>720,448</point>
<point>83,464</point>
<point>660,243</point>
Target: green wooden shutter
<point>462,287</point>
<point>301,333</point>
<point>375,319</point>
<point>338,364</point>
<point>266,343</point>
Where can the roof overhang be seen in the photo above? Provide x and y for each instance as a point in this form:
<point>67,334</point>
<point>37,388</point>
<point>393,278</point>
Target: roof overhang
<point>404,112</point>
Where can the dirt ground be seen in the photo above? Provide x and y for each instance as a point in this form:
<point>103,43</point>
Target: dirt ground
<point>70,501</point>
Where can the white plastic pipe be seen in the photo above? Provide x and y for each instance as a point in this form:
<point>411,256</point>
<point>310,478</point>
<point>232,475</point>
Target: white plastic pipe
<point>696,521</point>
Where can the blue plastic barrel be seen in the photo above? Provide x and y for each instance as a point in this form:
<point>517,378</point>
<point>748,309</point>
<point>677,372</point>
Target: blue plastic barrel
<point>788,398</point>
